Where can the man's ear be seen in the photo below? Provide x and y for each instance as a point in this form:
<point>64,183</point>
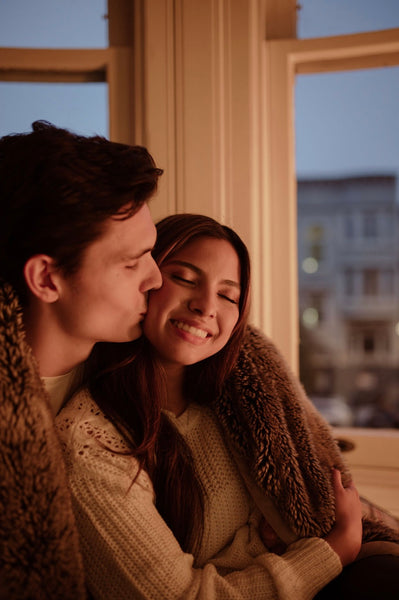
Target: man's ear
<point>39,271</point>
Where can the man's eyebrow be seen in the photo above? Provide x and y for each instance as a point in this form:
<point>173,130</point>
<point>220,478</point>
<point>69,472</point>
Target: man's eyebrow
<point>183,263</point>
<point>138,255</point>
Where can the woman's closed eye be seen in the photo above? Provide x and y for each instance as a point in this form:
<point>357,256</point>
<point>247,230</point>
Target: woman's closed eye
<point>229,298</point>
<point>184,280</point>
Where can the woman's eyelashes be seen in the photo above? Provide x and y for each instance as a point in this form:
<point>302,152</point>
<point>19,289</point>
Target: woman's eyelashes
<point>228,298</point>
<point>184,280</point>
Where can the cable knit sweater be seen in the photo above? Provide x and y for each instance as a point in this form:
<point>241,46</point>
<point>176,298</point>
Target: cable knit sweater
<point>129,552</point>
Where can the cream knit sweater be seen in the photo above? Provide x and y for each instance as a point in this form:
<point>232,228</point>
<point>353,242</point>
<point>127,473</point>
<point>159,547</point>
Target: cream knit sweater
<point>129,551</point>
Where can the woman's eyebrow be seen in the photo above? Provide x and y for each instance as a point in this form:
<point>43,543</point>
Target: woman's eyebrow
<point>183,263</point>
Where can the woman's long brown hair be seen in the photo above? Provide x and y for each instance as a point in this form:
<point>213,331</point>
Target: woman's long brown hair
<point>128,384</point>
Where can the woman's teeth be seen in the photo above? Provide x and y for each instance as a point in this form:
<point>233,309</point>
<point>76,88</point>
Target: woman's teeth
<point>193,330</point>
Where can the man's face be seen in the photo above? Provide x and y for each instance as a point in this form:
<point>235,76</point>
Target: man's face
<point>106,299</point>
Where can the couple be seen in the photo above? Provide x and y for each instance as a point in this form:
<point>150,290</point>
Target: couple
<point>197,467</point>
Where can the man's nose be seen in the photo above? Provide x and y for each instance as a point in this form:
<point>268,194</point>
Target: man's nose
<point>153,280</point>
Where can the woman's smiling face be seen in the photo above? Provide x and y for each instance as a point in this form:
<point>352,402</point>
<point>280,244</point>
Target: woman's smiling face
<point>193,314</point>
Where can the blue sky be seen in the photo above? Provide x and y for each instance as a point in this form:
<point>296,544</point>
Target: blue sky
<point>345,122</point>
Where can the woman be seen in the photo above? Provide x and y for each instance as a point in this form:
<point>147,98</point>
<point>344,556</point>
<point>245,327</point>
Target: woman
<point>161,453</point>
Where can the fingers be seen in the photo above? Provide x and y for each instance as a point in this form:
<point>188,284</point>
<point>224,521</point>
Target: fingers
<point>337,478</point>
<point>337,481</point>
<point>345,537</point>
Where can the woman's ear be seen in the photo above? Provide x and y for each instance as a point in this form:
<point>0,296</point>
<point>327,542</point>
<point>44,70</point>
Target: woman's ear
<point>39,273</point>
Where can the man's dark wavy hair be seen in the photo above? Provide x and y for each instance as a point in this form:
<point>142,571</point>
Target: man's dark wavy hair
<point>57,190</point>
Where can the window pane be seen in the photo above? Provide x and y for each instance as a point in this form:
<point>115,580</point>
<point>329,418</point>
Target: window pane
<point>320,18</point>
<point>347,131</point>
<point>53,23</point>
<point>82,107</point>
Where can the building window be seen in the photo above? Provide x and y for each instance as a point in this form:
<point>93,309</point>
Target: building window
<point>349,282</point>
<point>316,251</point>
<point>387,282</point>
<point>370,282</point>
<point>370,225</point>
<point>349,227</point>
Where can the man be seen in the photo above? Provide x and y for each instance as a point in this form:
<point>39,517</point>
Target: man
<point>75,267</point>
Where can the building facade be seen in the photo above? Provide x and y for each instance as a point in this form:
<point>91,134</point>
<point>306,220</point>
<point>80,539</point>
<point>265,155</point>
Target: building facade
<point>348,272</point>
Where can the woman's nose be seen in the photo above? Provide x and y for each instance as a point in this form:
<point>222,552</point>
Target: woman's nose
<point>203,305</point>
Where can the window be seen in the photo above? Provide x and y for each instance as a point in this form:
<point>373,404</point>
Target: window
<point>387,282</point>
<point>349,282</point>
<point>88,88</point>
<point>317,302</point>
<point>370,224</point>
<point>315,236</point>
<point>360,248</point>
<point>349,226</point>
<point>355,193</point>
<point>370,282</point>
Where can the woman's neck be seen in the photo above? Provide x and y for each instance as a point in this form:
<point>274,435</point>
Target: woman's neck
<point>176,402</point>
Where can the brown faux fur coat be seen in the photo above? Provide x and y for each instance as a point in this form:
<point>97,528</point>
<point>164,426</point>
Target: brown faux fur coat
<point>39,550</point>
<point>289,447</point>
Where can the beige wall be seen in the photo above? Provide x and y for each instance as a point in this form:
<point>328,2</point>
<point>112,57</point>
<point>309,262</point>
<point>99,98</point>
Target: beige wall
<point>205,93</point>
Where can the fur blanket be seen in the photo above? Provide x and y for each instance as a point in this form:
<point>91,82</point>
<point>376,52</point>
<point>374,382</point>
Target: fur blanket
<point>288,445</point>
<point>39,550</point>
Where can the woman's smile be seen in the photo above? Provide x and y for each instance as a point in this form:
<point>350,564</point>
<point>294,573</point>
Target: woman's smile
<point>195,331</point>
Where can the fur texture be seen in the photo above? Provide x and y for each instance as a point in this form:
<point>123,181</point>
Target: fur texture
<point>288,445</point>
<point>39,550</point>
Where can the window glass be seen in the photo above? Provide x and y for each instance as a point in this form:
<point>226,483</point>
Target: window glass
<point>82,107</point>
<point>320,18</point>
<point>347,156</point>
<point>53,23</point>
